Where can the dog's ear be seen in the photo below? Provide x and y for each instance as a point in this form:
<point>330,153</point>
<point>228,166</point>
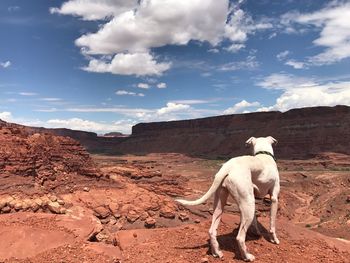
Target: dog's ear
<point>273,140</point>
<point>250,141</point>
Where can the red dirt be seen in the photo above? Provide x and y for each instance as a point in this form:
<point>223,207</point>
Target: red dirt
<point>121,209</point>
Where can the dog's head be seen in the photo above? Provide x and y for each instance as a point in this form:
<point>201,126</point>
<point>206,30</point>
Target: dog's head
<point>261,144</point>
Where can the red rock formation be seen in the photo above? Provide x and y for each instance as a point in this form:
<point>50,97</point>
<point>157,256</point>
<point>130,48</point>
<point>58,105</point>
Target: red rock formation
<point>301,133</point>
<point>47,159</point>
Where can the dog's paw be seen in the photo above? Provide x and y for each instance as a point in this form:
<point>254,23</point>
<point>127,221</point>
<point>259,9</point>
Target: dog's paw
<point>249,258</point>
<point>218,254</point>
<point>275,240</point>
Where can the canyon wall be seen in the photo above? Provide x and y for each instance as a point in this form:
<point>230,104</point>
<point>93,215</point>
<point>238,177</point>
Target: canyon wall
<point>301,133</point>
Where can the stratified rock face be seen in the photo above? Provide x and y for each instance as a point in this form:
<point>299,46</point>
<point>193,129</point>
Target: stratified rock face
<point>300,132</point>
<point>44,157</point>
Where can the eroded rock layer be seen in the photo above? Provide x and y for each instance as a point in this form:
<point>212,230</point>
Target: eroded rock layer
<point>301,133</point>
<point>46,160</point>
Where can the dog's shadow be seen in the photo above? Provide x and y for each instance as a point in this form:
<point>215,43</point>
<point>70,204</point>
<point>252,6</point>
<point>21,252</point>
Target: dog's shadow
<point>228,241</point>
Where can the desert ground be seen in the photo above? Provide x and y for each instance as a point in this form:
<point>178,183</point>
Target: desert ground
<point>128,213</point>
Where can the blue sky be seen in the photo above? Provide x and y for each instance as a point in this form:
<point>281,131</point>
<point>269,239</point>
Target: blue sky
<point>105,65</point>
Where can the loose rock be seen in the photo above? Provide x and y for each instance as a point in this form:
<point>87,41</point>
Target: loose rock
<point>101,212</point>
<point>150,222</point>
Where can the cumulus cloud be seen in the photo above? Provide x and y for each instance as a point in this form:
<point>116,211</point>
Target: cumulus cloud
<point>172,107</point>
<point>241,106</point>
<point>6,116</point>
<point>157,23</point>
<point>94,9</point>
<point>300,92</point>
<point>139,64</point>
<point>5,64</point>
<point>130,29</point>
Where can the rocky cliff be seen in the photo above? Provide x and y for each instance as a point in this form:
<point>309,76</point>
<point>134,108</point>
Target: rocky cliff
<point>301,133</point>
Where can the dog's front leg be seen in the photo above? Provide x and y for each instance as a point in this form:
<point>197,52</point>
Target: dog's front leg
<point>273,214</point>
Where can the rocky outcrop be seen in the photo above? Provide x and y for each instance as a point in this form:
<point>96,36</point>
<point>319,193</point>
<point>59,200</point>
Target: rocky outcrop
<point>44,159</point>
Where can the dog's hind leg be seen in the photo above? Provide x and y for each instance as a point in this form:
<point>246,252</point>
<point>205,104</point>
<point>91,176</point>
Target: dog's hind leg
<point>247,208</point>
<point>273,214</point>
<point>244,197</point>
<point>219,202</point>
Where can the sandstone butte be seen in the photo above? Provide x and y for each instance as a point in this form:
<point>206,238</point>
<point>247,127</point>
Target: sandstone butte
<point>302,133</point>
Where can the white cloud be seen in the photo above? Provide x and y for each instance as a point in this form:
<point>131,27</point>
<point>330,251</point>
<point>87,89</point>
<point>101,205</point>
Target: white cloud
<point>51,99</point>
<point>123,125</point>
<point>241,24</point>
<point>206,74</point>
<point>241,106</point>
<point>130,29</point>
<point>334,26</point>
<point>295,64</point>
<point>94,9</point>
<point>124,92</point>
<point>282,55</point>
<point>143,86</point>
<point>157,23</point>
<point>172,107</point>
<point>234,48</point>
<point>300,92</point>
<point>190,102</point>
<point>14,8</point>
<point>213,50</point>
<point>249,64</point>
<point>27,94</point>
<point>161,85</point>
<point>171,111</point>
<point>281,81</point>
<point>88,125</point>
<point>5,64</point>
<point>139,64</point>
<point>47,110</point>
<point>6,116</point>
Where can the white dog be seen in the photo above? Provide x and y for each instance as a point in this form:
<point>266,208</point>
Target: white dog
<point>243,177</point>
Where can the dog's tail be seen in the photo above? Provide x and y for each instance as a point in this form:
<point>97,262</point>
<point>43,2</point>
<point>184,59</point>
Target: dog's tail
<point>219,177</point>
